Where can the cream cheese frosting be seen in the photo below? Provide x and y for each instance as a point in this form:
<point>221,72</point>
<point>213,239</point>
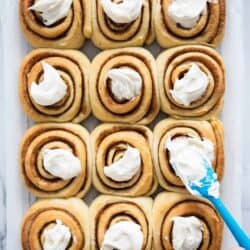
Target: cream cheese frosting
<point>61,163</point>
<point>125,168</point>
<point>52,11</point>
<point>186,233</point>
<point>186,158</point>
<point>124,235</point>
<point>51,89</point>
<point>191,87</point>
<point>124,12</point>
<point>187,12</point>
<point>56,237</point>
<point>126,83</point>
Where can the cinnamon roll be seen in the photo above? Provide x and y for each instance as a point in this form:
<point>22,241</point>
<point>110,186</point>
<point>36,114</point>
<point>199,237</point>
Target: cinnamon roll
<point>124,23</point>
<point>205,136</point>
<point>123,86</point>
<point>56,224</point>
<point>62,24</point>
<point>123,164</point>
<point>191,82</point>
<point>55,160</point>
<point>183,221</point>
<point>184,22</point>
<point>53,85</point>
<point>120,222</point>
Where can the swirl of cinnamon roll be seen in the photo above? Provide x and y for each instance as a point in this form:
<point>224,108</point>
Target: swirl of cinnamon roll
<point>124,23</point>
<point>56,224</point>
<point>55,160</point>
<point>107,212</point>
<point>123,164</point>
<point>62,24</point>
<point>123,86</point>
<point>191,82</point>
<point>183,221</point>
<point>202,131</point>
<point>53,85</point>
<point>179,22</point>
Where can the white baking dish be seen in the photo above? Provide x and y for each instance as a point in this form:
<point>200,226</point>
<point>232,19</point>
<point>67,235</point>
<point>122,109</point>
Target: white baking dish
<point>15,199</point>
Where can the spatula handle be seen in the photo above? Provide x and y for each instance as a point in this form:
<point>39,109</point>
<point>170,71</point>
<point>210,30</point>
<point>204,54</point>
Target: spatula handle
<point>239,234</point>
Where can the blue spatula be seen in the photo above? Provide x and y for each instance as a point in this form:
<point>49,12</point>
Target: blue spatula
<point>203,187</point>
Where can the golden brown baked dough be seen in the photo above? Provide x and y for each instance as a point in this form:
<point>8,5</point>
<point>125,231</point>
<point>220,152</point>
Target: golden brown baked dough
<point>107,34</point>
<point>173,63</point>
<point>108,210</point>
<point>144,107</point>
<point>169,205</point>
<point>208,30</point>
<point>73,67</point>
<point>109,142</point>
<point>211,130</point>
<point>68,33</point>
<point>69,136</point>
<point>43,215</point>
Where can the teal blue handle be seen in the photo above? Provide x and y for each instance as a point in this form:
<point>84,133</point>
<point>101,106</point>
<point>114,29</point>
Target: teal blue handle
<point>236,230</point>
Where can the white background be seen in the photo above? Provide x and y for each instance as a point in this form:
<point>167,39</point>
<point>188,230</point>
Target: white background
<point>15,200</point>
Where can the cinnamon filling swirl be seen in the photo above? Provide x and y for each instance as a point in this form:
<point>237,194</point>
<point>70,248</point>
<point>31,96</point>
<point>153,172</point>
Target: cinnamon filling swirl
<point>171,128</point>
<point>109,145</point>
<point>40,182</point>
<point>73,68</point>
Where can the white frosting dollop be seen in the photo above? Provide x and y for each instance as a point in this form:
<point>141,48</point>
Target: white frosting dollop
<point>186,233</point>
<point>61,163</point>
<point>191,87</point>
<point>126,83</point>
<point>187,12</point>
<point>125,168</point>
<point>214,189</point>
<point>124,235</point>
<point>56,237</point>
<point>51,90</point>
<point>186,158</point>
<point>124,12</point>
<point>52,10</point>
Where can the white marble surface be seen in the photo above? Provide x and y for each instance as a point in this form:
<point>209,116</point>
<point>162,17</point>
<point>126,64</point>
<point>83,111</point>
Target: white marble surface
<point>14,198</point>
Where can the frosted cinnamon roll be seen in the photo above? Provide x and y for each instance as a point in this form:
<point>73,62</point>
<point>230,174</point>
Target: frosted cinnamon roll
<point>191,82</point>
<point>62,24</point>
<point>121,223</point>
<point>124,23</point>
<point>56,224</point>
<point>55,160</point>
<point>123,164</point>
<point>53,85</point>
<point>183,221</point>
<point>123,86</point>
<point>179,22</point>
<point>173,139</point>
